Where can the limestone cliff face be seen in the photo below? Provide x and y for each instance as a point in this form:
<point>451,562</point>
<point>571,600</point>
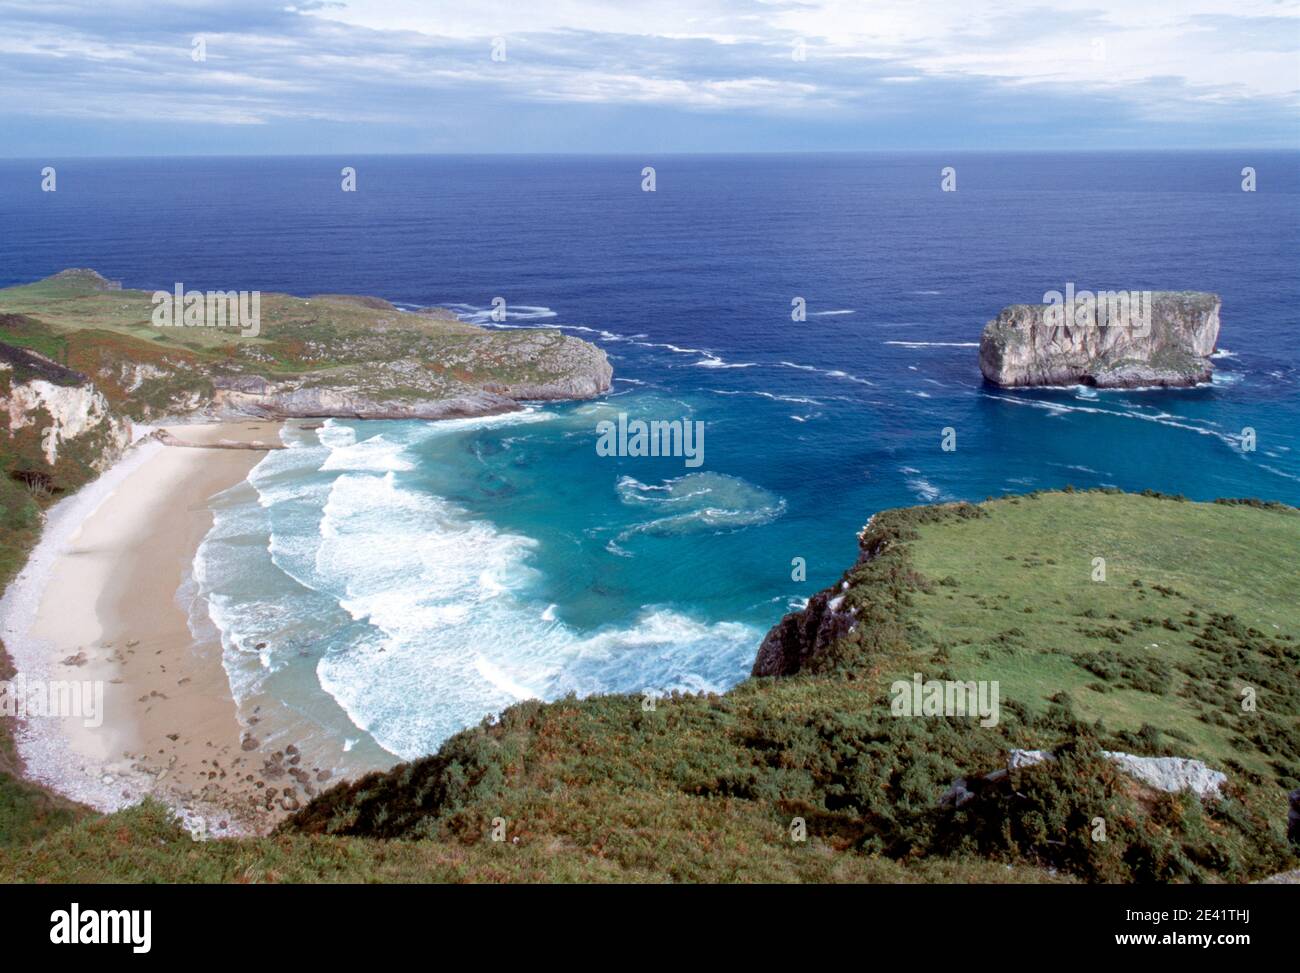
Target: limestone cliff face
<point>1169,345</point>
<point>59,429</point>
<point>61,414</point>
<point>564,368</point>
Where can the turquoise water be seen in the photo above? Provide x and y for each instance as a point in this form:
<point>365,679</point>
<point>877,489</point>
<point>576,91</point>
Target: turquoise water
<point>423,575</point>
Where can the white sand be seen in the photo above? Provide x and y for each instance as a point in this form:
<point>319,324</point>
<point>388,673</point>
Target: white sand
<point>101,589</point>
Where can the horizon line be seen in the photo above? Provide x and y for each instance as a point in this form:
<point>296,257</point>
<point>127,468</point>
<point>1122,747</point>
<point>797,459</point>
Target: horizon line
<point>640,153</point>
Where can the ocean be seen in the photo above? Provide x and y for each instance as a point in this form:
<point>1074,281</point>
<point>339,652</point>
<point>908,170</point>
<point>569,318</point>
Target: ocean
<point>389,583</point>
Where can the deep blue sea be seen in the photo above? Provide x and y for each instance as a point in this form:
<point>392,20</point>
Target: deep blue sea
<point>392,582</point>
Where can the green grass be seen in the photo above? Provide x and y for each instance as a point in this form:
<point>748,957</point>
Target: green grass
<point>1163,560</point>
<point>78,303</point>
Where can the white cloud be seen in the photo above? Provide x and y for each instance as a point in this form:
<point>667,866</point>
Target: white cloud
<point>1137,59</point>
<point>1024,40</point>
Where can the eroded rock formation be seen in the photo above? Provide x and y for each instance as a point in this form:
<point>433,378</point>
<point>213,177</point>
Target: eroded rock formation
<point>1164,340</point>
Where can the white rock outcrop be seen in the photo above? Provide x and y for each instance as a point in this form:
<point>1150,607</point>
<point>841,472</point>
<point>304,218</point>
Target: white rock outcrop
<point>1169,774</point>
<point>73,411</point>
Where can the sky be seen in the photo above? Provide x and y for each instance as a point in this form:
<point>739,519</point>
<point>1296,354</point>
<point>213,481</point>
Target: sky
<point>150,77</point>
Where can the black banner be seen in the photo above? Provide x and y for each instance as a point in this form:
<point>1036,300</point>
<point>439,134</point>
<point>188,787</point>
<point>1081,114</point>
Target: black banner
<point>144,923</point>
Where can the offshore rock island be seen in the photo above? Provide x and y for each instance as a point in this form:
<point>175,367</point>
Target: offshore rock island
<point>1169,344</point>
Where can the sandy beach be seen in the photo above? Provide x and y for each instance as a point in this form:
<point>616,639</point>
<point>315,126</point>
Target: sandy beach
<point>99,602</point>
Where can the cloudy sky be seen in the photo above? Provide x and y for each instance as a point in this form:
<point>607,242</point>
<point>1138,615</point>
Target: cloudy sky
<point>121,77</point>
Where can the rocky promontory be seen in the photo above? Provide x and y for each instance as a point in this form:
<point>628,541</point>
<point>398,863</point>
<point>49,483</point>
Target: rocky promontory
<point>1162,338</point>
<point>478,375</point>
<point>222,354</point>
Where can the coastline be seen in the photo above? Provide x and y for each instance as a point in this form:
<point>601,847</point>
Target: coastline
<point>100,601</point>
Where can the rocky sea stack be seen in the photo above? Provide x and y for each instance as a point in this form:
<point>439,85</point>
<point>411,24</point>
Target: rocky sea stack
<point>1163,339</point>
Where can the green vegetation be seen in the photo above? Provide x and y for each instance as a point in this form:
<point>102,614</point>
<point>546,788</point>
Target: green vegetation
<point>1199,602</point>
<point>705,788</point>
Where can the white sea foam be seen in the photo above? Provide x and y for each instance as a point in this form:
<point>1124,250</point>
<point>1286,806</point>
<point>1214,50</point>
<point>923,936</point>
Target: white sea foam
<point>501,680</point>
<point>796,399</point>
<point>1161,418</point>
<point>1276,471</point>
<point>1079,468</point>
<point>934,344</point>
<point>437,621</point>
<point>676,349</point>
<point>713,361</point>
<point>376,454</point>
<point>924,489</point>
<point>918,484</point>
<point>831,372</point>
<point>697,503</point>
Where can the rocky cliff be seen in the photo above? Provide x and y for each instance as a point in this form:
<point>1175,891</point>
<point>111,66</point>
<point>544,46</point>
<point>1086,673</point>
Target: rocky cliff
<point>1163,340</point>
<point>469,381</point>
<point>863,612</point>
<point>60,429</point>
